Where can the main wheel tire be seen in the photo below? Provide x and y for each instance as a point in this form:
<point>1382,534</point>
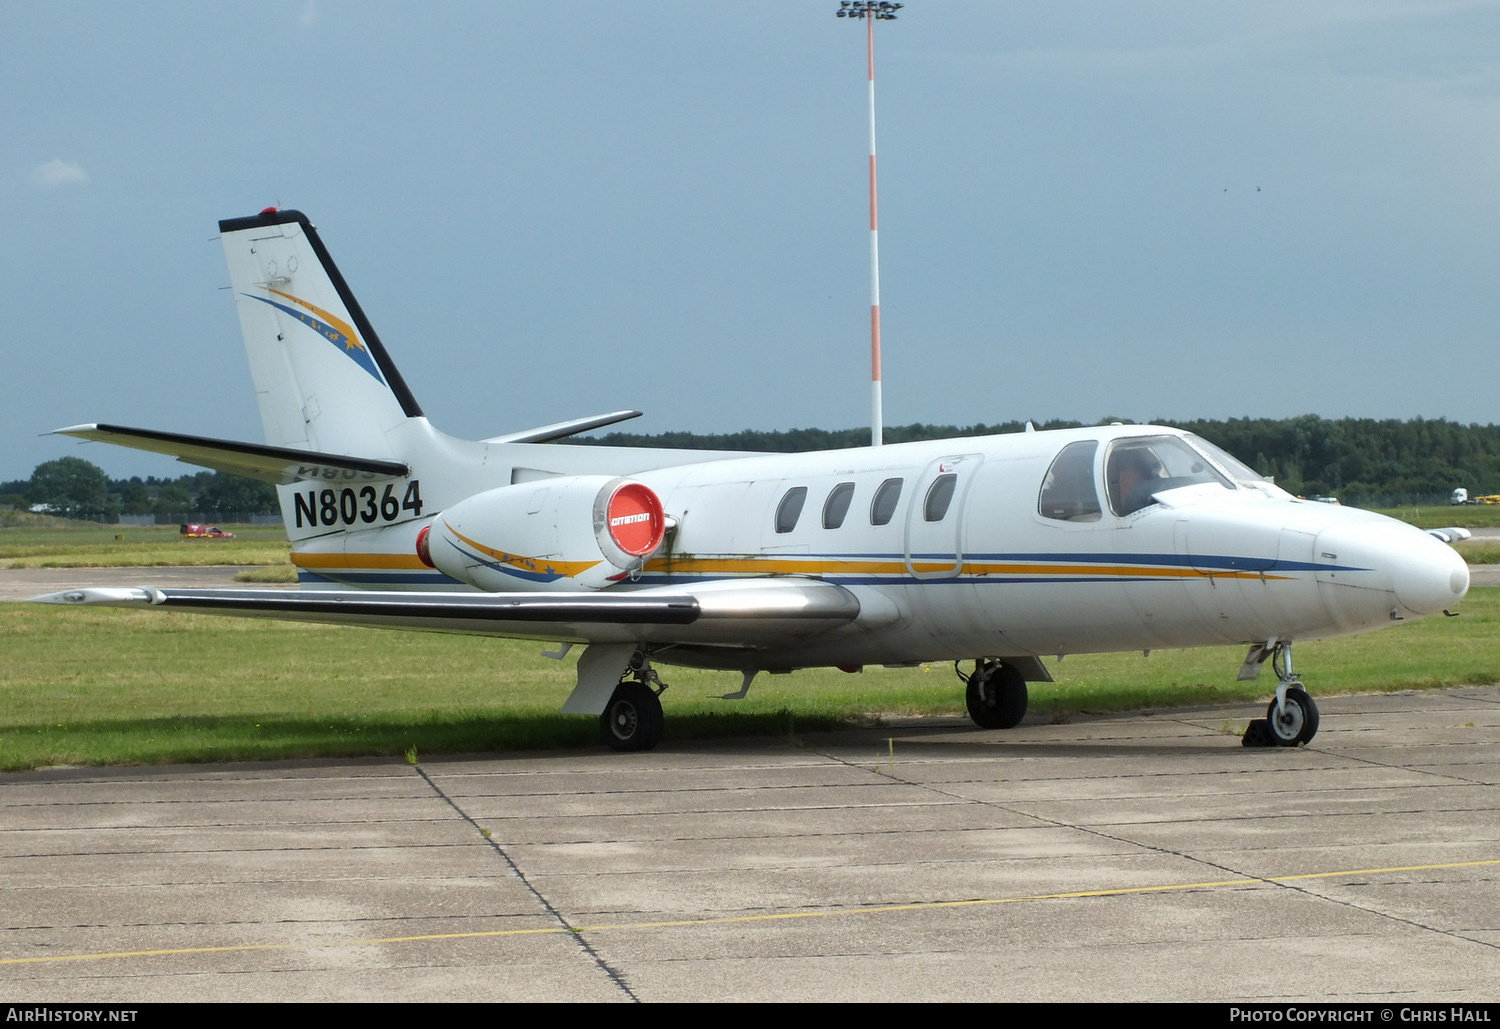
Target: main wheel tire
<point>996,696</point>
<point>632,719</point>
<point>1297,721</point>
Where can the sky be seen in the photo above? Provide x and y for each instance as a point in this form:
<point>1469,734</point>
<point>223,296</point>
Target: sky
<point>1149,211</point>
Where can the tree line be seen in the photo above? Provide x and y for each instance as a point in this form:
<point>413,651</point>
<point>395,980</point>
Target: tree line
<point>74,488</point>
<point>1364,461</point>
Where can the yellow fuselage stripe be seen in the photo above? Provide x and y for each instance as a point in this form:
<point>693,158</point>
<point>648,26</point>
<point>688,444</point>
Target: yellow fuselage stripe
<point>750,565</point>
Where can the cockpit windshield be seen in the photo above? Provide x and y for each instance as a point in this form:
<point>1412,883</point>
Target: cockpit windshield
<point>1237,469</point>
<point>1137,469</point>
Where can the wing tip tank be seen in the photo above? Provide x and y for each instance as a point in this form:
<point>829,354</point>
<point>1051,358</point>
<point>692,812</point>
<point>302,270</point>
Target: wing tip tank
<point>97,596</point>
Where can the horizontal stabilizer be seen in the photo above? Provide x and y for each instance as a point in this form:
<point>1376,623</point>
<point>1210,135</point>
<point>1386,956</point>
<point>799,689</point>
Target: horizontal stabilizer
<point>279,465</point>
<point>725,613</point>
<point>561,430</point>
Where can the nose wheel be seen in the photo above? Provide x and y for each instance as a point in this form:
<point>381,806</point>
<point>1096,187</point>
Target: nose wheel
<point>1292,718</point>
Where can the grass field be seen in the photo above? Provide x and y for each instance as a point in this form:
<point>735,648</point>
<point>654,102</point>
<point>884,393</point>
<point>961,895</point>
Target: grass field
<point>80,686</point>
<point>1479,552</point>
<point>1470,516</point>
<point>120,546</point>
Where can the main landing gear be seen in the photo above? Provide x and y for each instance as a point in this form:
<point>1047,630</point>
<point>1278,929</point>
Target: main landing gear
<point>632,719</point>
<point>1292,718</point>
<point>995,693</point>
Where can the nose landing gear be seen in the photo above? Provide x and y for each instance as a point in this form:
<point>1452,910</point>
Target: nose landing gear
<point>1292,718</point>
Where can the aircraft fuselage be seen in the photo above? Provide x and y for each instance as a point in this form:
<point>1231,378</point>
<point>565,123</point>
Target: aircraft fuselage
<point>1010,566</point>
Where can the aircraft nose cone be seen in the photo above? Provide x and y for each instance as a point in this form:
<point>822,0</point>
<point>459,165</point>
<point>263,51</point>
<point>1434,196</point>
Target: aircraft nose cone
<point>1430,577</point>
<point>1425,574</point>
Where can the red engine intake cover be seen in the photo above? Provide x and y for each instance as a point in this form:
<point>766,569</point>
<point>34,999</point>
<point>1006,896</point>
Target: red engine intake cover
<point>635,519</point>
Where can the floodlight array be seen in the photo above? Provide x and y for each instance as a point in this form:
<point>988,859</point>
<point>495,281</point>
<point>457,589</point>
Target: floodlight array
<point>880,10</point>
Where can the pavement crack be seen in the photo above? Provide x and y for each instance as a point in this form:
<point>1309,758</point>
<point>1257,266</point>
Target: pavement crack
<point>888,771</point>
<point>613,974</point>
<point>1413,923</point>
<point>1446,773</point>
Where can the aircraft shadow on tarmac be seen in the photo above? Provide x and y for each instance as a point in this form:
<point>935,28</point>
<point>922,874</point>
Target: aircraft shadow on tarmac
<point>217,739</point>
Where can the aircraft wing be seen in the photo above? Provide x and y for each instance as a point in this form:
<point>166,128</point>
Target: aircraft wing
<point>280,466</point>
<point>729,613</point>
<point>1451,534</point>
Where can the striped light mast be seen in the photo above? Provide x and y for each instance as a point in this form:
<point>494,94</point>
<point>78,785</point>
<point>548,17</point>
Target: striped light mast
<point>872,11</point>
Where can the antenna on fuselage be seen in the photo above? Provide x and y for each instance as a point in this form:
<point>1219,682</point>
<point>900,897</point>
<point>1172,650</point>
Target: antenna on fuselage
<point>872,11</point>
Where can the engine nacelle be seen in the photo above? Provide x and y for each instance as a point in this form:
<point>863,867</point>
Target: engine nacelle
<point>586,530</point>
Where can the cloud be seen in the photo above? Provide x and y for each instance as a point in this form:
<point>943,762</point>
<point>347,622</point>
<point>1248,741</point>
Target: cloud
<point>58,172</point>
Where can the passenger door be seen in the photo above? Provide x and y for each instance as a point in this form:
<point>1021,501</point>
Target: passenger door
<point>934,517</point>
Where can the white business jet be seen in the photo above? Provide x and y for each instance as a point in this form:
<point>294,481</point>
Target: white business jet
<point>995,550</point>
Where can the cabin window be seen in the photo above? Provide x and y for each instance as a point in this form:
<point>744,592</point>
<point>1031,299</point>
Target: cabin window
<point>837,505</point>
<point>883,507</point>
<point>790,509</point>
<point>1138,469</point>
<point>1068,491</point>
<point>939,496</point>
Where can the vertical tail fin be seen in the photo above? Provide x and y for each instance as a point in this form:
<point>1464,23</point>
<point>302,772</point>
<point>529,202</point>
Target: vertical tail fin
<point>322,378</point>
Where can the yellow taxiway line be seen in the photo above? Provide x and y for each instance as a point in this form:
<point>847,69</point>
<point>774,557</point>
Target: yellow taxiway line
<point>737,919</point>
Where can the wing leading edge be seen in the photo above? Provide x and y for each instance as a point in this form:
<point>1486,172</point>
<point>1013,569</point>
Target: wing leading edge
<point>730,613</point>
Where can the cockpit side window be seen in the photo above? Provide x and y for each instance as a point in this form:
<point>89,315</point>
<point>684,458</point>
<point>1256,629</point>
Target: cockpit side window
<point>1068,491</point>
<point>1138,469</point>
